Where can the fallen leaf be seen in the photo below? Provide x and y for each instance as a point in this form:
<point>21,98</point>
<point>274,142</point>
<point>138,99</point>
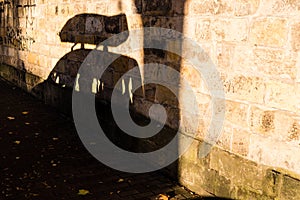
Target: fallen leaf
<point>120,180</point>
<point>162,197</point>
<point>27,123</point>
<point>54,139</point>
<point>11,118</point>
<point>17,158</point>
<point>25,113</point>
<point>83,192</point>
<point>17,142</point>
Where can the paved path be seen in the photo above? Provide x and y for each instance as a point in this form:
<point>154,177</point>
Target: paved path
<point>41,157</point>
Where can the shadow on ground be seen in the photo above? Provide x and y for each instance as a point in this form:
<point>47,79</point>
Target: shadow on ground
<point>43,158</point>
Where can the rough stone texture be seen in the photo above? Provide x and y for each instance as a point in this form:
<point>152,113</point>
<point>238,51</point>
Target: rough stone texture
<point>245,7</point>
<point>254,45</point>
<point>269,32</point>
<point>226,30</point>
<point>290,189</point>
<point>246,180</point>
<point>296,36</point>
<point>246,88</point>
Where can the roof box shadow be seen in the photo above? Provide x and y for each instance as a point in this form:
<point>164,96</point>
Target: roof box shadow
<point>94,29</point>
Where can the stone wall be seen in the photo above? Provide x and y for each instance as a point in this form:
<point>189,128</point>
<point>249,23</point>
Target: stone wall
<point>254,44</point>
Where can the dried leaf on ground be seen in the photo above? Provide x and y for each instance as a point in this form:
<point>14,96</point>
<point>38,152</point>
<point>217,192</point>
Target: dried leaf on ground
<point>17,142</point>
<point>83,192</point>
<point>162,197</point>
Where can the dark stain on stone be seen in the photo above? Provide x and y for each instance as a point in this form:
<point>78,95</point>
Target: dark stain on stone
<point>267,121</point>
<point>294,132</point>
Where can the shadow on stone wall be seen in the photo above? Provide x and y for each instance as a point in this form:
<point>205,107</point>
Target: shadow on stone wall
<point>57,89</point>
<point>164,14</point>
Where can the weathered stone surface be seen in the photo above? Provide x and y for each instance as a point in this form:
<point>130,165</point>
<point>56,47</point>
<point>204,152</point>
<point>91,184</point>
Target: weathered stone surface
<point>280,8</point>
<point>245,88</point>
<point>269,32</point>
<point>274,62</point>
<point>240,141</point>
<point>246,173</point>
<point>33,58</point>
<point>246,7</point>
<point>290,189</point>
<point>236,113</point>
<point>282,95</point>
<point>295,40</point>
<point>225,53</point>
<point>270,123</point>
<point>270,152</point>
<point>225,139</point>
<point>233,30</point>
<point>262,121</point>
<point>203,29</point>
<point>208,7</point>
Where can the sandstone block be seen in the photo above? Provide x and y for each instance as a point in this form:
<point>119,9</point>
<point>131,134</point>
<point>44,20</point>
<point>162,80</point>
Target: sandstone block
<point>203,30</point>
<point>233,30</point>
<point>208,7</point>
<point>246,173</point>
<point>295,37</point>
<point>245,88</point>
<point>225,139</point>
<point>282,95</point>
<point>271,152</point>
<point>269,32</point>
<point>224,54</point>
<point>274,62</point>
<point>246,7</point>
<point>262,121</point>
<point>240,142</point>
<point>280,8</point>
<point>33,58</point>
<point>236,113</point>
<point>290,188</point>
<point>276,124</point>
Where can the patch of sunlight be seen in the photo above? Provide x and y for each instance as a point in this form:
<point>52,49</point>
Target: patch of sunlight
<point>123,87</point>
<point>57,80</point>
<point>17,142</point>
<point>130,90</point>
<point>94,86</point>
<point>77,83</point>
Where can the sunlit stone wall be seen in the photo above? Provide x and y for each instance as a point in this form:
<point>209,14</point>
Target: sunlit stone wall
<point>255,45</point>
